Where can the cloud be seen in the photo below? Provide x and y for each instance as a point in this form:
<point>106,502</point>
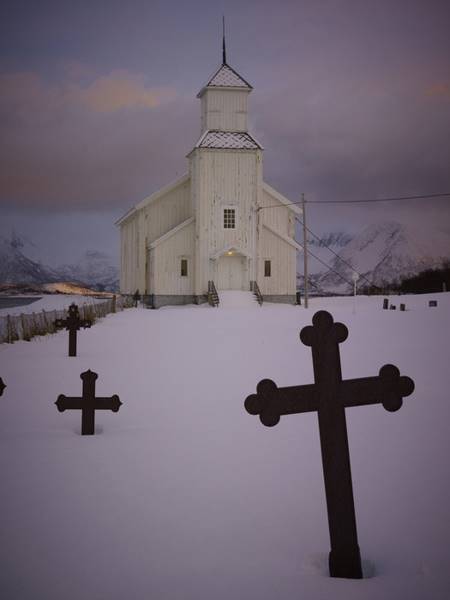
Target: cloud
<point>120,90</point>
<point>117,90</point>
<point>84,141</point>
<point>439,89</point>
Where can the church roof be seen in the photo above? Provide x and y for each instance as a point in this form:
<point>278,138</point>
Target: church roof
<point>236,140</point>
<point>226,76</point>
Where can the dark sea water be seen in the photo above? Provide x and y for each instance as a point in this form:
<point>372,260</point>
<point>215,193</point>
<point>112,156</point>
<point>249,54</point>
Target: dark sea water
<point>11,301</point>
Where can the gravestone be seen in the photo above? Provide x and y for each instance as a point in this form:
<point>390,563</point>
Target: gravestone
<point>136,298</point>
<point>402,307</point>
<point>385,304</point>
<point>88,403</point>
<point>73,324</point>
<point>432,303</point>
<point>392,307</point>
<point>2,386</point>
<point>329,396</point>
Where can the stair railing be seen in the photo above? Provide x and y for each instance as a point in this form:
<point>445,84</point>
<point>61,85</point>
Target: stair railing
<point>255,289</point>
<point>213,296</point>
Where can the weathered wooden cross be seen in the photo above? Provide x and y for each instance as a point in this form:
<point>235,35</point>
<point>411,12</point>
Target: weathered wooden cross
<point>88,403</point>
<point>73,324</point>
<point>329,396</point>
<point>2,386</point>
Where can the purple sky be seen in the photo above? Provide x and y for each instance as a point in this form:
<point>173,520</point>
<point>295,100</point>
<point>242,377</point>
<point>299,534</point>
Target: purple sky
<point>351,100</point>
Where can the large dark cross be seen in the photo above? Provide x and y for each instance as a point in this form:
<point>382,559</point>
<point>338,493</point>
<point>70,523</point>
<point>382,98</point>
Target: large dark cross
<point>2,386</point>
<point>88,403</point>
<point>329,396</point>
<point>73,324</point>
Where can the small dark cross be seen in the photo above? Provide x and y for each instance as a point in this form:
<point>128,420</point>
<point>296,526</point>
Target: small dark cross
<point>73,324</point>
<point>2,386</point>
<point>88,403</point>
<point>329,396</point>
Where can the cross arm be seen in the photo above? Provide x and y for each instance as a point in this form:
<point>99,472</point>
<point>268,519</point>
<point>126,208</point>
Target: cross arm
<point>108,403</point>
<point>68,403</point>
<point>387,388</point>
<point>271,402</point>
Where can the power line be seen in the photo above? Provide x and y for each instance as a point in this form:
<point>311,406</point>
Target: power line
<point>337,256</point>
<point>393,199</point>
<point>328,267</point>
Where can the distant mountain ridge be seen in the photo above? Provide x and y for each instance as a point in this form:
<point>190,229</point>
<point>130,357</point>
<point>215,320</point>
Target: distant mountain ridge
<point>15,267</point>
<point>94,270</point>
<point>382,253</point>
<point>335,239</point>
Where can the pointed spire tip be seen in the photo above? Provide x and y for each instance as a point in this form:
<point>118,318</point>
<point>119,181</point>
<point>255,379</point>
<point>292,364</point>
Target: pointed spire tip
<point>224,51</point>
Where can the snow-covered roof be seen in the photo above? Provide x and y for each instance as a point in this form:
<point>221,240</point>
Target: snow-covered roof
<point>172,232</point>
<point>283,237</point>
<point>277,196</point>
<point>226,76</point>
<point>165,190</point>
<point>237,140</point>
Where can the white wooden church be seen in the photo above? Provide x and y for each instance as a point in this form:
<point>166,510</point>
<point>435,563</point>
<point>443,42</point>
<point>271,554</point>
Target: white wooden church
<point>219,226</point>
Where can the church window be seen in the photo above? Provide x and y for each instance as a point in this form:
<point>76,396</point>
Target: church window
<point>267,268</point>
<point>184,267</point>
<point>229,218</point>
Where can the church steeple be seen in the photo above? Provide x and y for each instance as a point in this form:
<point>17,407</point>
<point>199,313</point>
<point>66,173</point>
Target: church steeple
<point>224,50</point>
<point>224,98</point>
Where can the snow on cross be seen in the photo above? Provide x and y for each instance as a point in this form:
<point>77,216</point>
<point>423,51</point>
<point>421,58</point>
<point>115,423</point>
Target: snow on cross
<point>329,396</point>
<point>88,403</point>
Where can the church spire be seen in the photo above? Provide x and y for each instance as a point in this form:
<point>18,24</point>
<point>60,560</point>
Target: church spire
<point>224,50</point>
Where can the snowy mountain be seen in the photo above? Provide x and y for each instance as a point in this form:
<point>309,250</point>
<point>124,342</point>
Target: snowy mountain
<point>15,267</point>
<point>384,253</point>
<point>319,252</point>
<point>335,239</point>
<point>94,269</point>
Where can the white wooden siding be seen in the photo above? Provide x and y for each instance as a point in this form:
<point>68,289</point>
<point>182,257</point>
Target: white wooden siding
<point>224,179</point>
<point>225,110</point>
<point>146,225</point>
<point>166,274</point>
<point>283,265</point>
<point>280,218</point>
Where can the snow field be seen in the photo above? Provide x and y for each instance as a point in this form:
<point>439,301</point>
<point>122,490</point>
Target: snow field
<point>182,494</point>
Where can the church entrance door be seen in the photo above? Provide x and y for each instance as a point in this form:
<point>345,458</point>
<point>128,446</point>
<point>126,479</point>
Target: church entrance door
<point>230,274</point>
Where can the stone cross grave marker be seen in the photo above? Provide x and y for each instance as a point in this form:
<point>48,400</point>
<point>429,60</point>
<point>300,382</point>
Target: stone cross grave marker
<point>88,403</point>
<point>329,396</point>
<point>2,386</point>
<point>73,324</point>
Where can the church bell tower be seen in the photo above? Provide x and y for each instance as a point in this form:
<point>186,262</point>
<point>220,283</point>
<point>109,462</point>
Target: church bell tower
<point>226,179</point>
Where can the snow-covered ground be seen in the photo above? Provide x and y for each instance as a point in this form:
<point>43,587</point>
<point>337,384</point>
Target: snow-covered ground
<point>182,495</point>
<point>49,302</point>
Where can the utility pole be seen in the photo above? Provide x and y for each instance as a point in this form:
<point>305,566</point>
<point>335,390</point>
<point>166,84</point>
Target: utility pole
<point>305,251</point>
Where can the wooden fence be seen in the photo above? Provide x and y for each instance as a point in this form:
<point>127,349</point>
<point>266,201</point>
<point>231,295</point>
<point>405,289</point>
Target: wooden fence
<point>28,325</point>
